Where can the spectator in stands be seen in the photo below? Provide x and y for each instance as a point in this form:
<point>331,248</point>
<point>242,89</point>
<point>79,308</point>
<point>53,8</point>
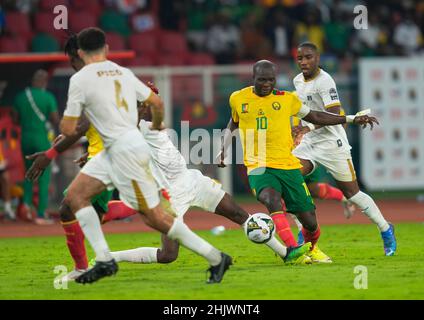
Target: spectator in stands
<point>311,30</point>
<point>251,34</point>
<point>407,35</point>
<point>130,6</point>
<point>279,30</point>
<point>371,41</point>
<point>35,109</point>
<point>223,39</point>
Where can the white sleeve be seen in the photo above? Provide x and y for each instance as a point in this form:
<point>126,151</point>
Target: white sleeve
<point>76,100</point>
<point>143,92</point>
<point>303,112</point>
<point>328,92</point>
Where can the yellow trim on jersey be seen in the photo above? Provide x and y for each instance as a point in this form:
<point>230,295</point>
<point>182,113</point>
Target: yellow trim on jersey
<point>352,171</point>
<point>70,118</point>
<point>333,105</point>
<point>315,75</point>
<point>142,204</point>
<point>95,142</point>
<point>68,222</point>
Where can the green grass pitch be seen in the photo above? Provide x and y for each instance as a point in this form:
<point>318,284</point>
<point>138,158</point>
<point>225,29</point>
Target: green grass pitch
<point>27,269</point>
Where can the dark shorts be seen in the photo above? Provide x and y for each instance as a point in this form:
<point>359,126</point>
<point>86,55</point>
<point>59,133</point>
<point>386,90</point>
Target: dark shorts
<point>100,201</point>
<point>289,183</point>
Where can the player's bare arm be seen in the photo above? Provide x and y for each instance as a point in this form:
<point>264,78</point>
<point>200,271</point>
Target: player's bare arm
<point>156,107</point>
<point>226,141</point>
<point>326,119</point>
<point>42,159</point>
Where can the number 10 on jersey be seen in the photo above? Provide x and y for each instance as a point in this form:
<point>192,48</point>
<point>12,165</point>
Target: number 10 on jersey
<point>261,123</point>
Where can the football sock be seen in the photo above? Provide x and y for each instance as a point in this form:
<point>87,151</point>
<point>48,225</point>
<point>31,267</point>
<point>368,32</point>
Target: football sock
<point>90,225</point>
<point>370,209</point>
<point>117,210</point>
<point>328,192</point>
<point>311,237</point>
<point>277,247</point>
<point>139,255</point>
<point>75,243</point>
<point>180,232</point>
<point>282,227</point>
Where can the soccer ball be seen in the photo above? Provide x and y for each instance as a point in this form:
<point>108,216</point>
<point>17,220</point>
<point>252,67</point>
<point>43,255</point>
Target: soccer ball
<point>259,228</point>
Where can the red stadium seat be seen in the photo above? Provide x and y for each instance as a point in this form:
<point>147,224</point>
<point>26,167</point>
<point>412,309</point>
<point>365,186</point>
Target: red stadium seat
<point>92,6</point>
<point>143,42</point>
<point>169,59</point>
<point>43,22</point>
<point>18,24</point>
<point>79,20</point>
<point>11,44</point>
<point>200,59</point>
<point>115,41</point>
<point>172,42</point>
<point>48,5</point>
<point>144,60</point>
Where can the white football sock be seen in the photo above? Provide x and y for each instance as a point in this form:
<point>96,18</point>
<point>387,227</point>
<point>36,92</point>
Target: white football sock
<point>296,220</point>
<point>90,225</point>
<point>8,209</point>
<point>370,209</point>
<point>139,255</point>
<point>180,232</point>
<point>277,247</point>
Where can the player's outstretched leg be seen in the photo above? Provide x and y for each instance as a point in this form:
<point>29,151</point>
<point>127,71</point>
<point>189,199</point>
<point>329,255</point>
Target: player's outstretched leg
<point>272,201</point>
<point>371,210</point>
<point>229,209</point>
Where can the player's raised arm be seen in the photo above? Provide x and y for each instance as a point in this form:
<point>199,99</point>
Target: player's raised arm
<point>326,118</point>
<point>76,99</point>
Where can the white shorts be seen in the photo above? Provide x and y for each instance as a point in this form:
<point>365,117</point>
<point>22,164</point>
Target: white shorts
<point>125,165</point>
<point>193,189</point>
<point>338,163</point>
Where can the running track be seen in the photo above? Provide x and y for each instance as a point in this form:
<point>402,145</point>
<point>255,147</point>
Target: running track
<point>329,212</point>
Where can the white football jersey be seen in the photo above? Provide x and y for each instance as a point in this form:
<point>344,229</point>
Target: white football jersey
<point>319,94</point>
<point>166,156</point>
<point>107,94</point>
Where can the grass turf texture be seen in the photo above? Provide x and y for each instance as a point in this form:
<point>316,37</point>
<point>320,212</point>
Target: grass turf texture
<point>27,264</point>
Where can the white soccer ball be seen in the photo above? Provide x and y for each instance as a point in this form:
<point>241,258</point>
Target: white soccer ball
<point>259,228</point>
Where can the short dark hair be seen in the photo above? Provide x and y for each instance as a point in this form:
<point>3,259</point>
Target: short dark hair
<point>91,39</point>
<point>308,44</point>
<point>71,45</point>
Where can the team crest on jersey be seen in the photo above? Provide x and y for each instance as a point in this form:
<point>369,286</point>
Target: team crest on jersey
<point>260,112</point>
<point>276,106</point>
<point>333,94</point>
<point>244,108</point>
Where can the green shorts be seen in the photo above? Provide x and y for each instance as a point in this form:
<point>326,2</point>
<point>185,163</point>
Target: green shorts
<point>100,201</point>
<point>313,177</point>
<point>289,183</point>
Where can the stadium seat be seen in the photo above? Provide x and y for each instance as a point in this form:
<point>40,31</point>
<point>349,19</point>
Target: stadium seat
<point>12,44</point>
<point>143,42</point>
<point>144,60</point>
<point>48,5</point>
<point>18,24</point>
<point>79,20</point>
<point>200,59</point>
<point>172,42</point>
<point>112,21</point>
<point>44,42</point>
<point>43,22</point>
<point>169,59</point>
<point>92,6</point>
<point>115,41</point>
